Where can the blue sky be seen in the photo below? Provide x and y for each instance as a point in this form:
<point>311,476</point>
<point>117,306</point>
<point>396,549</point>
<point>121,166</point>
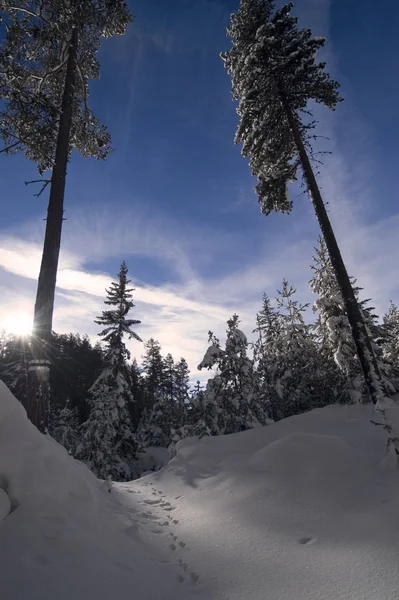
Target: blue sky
<point>176,200</point>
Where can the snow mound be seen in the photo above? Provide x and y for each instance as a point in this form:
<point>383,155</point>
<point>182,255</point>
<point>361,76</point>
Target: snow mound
<point>299,509</point>
<point>36,470</point>
<point>66,536</point>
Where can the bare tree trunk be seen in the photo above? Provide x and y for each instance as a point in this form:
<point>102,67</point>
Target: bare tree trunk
<point>39,368</point>
<point>364,349</point>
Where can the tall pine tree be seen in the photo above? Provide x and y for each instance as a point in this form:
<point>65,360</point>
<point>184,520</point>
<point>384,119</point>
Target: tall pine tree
<point>47,57</point>
<point>275,75</point>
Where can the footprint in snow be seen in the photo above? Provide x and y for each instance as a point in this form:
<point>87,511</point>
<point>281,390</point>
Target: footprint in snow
<point>173,547</point>
<point>194,577</point>
<point>182,544</point>
<point>180,578</point>
<point>183,565</point>
<point>152,502</point>
<point>306,541</point>
<point>175,521</point>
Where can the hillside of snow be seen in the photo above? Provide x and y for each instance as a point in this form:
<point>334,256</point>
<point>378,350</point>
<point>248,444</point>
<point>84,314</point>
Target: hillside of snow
<point>304,509</point>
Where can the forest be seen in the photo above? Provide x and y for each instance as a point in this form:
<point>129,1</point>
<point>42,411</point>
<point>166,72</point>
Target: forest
<point>107,407</point>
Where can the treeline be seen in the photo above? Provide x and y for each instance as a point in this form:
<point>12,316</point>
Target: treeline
<point>106,409</point>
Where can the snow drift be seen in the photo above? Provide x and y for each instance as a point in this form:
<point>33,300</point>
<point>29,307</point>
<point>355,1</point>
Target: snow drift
<point>64,536</point>
<point>302,509</point>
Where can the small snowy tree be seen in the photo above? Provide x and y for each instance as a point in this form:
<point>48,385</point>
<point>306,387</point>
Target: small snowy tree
<point>108,444</point>
<point>65,427</point>
<point>153,371</point>
<point>268,326</point>
<point>159,425</point>
<point>231,395</point>
<point>390,342</point>
<point>334,329</point>
<point>332,324</point>
<point>291,373</point>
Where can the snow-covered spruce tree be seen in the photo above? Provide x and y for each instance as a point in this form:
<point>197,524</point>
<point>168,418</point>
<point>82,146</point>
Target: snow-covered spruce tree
<point>108,445</point>
<point>233,390</point>
<point>48,55</point>
<point>390,342</point>
<point>334,329</point>
<point>168,377</point>
<point>268,325</point>
<point>157,423</point>
<point>275,75</point>
<point>153,372</point>
<point>299,379</point>
<point>181,383</point>
<point>168,414</point>
<point>65,427</point>
<point>137,407</point>
<point>332,324</point>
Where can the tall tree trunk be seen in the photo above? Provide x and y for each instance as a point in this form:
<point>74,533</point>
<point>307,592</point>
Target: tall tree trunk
<point>361,338</point>
<point>39,369</point>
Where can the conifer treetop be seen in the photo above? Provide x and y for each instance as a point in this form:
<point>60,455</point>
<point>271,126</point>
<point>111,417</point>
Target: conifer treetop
<point>273,68</point>
<point>115,320</point>
<point>34,53</point>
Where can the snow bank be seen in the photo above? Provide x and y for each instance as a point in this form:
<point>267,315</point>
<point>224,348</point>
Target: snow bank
<point>34,469</point>
<point>66,536</point>
<point>301,509</point>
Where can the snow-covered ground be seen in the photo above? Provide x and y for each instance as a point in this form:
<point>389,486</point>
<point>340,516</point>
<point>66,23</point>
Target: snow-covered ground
<point>299,510</point>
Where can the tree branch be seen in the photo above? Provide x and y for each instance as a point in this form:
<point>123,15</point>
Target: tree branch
<point>45,183</point>
<point>10,147</point>
<point>50,73</point>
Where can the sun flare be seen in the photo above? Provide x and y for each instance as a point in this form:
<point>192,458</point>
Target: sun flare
<point>18,323</point>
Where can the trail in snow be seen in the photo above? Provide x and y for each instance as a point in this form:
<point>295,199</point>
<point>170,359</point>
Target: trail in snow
<point>159,518</point>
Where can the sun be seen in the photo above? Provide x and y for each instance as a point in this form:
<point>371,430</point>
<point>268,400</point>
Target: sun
<point>18,323</point>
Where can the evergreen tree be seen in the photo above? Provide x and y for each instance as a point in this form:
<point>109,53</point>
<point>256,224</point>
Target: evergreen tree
<point>108,445</point>
<point>181,383</point>
<point>168,414</point>
<point>136,408</point>
<point>268,329</point>
<point>390,343</point>
<point>296,356</point>
<point>292,372</point>
<point>76,366</point>
<point>332,324</point>
<point>334,329</point>
<point>275,75</point>
<point>168,378</point>
<point>47,57</point>
<point>153,372</point>
<point>231,395</point>
<point>65,426</point>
